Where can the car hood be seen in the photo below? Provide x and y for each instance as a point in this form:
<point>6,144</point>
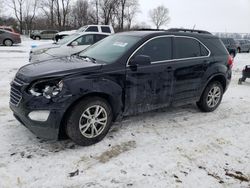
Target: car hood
<point>55,67</point>
<point>67,32</point>
<point>45,46</point>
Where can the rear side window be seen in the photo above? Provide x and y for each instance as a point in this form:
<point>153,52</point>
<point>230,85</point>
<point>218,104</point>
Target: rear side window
<point>188,48</point>
<point>53,32</point>
<point>158,49</point>
<point>85,40</point>
<point>92,29</point>
<point>105,29</point>
<point>99,37</point>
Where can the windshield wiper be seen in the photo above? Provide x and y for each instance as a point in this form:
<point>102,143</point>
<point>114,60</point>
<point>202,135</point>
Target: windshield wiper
<point>93,60</point>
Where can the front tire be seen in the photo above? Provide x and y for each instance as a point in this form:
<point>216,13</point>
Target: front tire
<point>89,121</point>
<point>211,97</point>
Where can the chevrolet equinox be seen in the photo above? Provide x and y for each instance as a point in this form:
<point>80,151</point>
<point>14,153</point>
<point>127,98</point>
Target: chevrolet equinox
<point>124,74</point>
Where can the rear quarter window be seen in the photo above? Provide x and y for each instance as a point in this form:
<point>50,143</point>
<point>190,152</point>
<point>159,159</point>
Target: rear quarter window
<point>216,46</point>
<point>188,48</point>
<point>105,29</point>
<point>99,37</point>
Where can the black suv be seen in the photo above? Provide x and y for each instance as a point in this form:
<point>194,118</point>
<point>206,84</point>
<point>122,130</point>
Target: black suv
<point>125,74</point>
<point>231,46</point>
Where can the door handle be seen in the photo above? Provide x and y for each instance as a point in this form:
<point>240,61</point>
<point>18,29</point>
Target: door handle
<point>169,69</point>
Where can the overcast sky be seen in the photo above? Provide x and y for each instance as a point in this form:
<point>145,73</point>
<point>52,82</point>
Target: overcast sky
<point>211,15</point>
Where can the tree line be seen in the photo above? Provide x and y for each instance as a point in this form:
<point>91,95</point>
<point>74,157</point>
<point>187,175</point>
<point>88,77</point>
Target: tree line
<point>67,14</point>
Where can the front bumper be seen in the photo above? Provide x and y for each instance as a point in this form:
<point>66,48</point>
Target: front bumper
<point>26,109</point>
<point>48,129</point>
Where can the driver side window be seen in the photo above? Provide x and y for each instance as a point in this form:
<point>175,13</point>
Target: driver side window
<point>85,40</point>
<point>159,49</point>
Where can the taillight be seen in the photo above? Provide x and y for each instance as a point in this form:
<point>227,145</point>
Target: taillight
<point>230,61</point>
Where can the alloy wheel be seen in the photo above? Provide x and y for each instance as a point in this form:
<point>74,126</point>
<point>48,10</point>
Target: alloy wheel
<point>8,42</point>
<point>214,96</point>
<point>93,121</point>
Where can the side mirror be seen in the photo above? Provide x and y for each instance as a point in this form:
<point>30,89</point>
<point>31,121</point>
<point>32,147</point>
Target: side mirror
<point>140,60</point>
<point>74,43</point>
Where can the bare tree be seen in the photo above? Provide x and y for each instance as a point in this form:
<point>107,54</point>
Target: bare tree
<point>124,12</point>
<point>17,6</point>
<point>65,11</point>
<point>48,8</point>
<point>159,16</point>
<point>107,10</point>
<point>132,8</point>
<point>96,5</point>
<point>80,13</point>
<point>30,9</point>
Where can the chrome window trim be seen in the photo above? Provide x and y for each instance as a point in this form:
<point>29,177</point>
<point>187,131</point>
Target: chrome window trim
<point>171,60</point>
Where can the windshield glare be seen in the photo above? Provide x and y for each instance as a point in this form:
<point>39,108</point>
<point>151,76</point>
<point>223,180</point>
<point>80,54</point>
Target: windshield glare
<point>67,39</point>
<point>111,48</point>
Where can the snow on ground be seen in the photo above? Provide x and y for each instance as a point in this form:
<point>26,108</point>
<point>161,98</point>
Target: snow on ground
<point>177,147</point>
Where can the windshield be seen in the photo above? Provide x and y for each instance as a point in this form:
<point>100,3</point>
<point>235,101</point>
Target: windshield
<point>81,29</point>
<point>111,48</point>
<point>67,39</point>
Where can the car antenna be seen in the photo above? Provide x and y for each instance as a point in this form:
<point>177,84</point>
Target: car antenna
<point>194,27</point>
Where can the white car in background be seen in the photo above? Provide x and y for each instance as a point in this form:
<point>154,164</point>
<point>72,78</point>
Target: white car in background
<point>87,28</point>
<point>66,47</point>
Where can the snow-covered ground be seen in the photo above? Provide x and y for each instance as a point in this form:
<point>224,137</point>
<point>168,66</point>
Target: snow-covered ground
<point>177,147</point>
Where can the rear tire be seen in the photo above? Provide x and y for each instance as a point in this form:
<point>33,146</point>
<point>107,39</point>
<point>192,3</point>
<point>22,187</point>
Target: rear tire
<point>211,97</point>
<point>8,42</point>
<point>89,121</point>
<point>37,38</point>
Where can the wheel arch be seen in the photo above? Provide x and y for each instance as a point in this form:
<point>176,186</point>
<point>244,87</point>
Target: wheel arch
<point>219,78</point>
<point>113,102</point>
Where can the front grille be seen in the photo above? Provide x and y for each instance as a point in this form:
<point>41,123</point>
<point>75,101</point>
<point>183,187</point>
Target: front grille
<point>15,96</point>
<point>18,82</point>
<point>15,91</point>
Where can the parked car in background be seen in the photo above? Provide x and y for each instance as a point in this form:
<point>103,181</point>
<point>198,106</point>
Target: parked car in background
<point>8,38</point>
<point>65,47</point>
<point>124,74</point>
<point>7,28</point>
<point>88,28</point>
<point>231,46</point>
<point>46,34</point>
<point>243,45</point>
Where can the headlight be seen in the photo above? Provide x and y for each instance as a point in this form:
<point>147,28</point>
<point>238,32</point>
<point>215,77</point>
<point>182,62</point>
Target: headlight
<point>46,88</point>
<point>38,52</point>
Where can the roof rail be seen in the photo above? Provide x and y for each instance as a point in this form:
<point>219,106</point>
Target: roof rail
<point>188,31</point>
<point>148,29</point>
